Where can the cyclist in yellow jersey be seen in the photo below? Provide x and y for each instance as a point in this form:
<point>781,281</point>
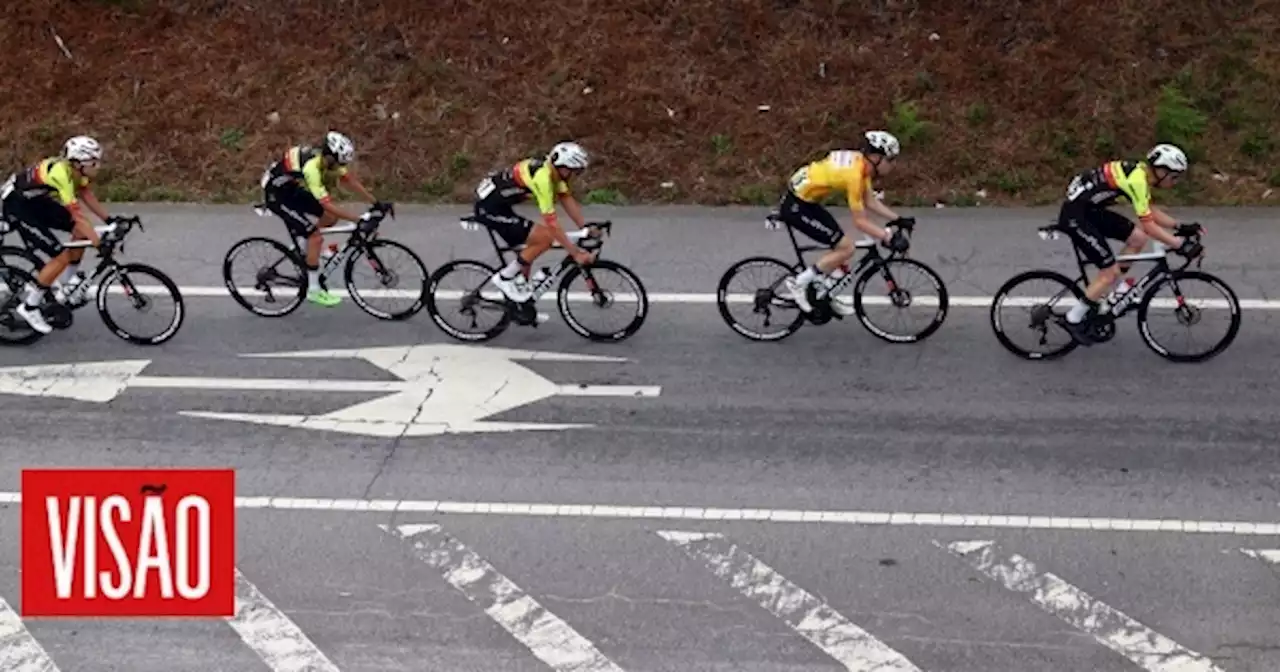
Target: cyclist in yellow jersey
<point>848,171</point>
<point>47,197</point>
<point>546,181</point>
<point>1085,218</point>
<point>297,187</point>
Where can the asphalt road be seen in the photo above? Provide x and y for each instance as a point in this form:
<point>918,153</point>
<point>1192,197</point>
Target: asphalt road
<point>830,420</point>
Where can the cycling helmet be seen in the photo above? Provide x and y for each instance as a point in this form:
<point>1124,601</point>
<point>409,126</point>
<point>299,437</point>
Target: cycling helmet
<point>1167,156</point>
<point>82,148</point>
<point>880,142</point>
<point>569,155</point>
<point>339,146</point>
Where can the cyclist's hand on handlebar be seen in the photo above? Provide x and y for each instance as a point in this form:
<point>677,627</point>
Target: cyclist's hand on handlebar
<point>387,207</point>
<point>898,242</point>
<point>1190,249</point>
<point>1190,229</point>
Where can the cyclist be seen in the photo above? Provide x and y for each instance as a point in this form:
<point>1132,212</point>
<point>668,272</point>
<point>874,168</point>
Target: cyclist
<point>47,197</point>
<point>1086,219</point>
<point>545,180</point>
<point>849,171</point>
<point>297,186</point>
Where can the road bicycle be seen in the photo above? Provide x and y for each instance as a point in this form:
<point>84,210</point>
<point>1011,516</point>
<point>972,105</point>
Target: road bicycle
<point>285,267</point>
<point>58,306</point>
<point>770,297</point>
<point>1044,311</point>
<point>480,298</point>
<point>17,256</point>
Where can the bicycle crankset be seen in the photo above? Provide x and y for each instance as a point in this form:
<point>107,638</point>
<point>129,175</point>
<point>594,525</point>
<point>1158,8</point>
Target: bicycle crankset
<point>525,314</point>
<point>57,315</point>
<point>1101,332</point>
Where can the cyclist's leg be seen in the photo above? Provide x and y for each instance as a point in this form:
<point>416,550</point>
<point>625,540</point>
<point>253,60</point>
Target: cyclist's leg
<point>815,222</point>
<point>41,216</point>
<point>512,279</point>
<point>1116,226</point>
<point>1077,221</point>
<point>294,205</point>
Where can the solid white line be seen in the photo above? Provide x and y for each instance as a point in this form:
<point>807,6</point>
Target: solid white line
<point>19,651</point>
<point>272,635</point>
<point>202,291</point>
<point>289,384</point>
<point>808,616</point>
<point>552,640</point>
<point>609,390</point>
<point>761,515</point>
<point>1110,627</point>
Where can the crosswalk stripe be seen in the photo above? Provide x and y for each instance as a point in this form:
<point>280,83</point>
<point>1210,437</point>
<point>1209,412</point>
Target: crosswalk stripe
<point>808,616</point>
<point>272,635</point>
<point>552,640</point>
<point>19,651</point>
<point>1110,627</point>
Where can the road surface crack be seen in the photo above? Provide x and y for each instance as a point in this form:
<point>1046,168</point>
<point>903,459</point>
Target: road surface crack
<point>395,443</point>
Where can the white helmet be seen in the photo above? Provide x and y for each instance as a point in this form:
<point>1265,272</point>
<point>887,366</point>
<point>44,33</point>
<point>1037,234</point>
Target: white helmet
<point>568,155</point>
<point>82,148</point>
<point>881,142</point>
<point>340,147</point>
<point>1168,156</point>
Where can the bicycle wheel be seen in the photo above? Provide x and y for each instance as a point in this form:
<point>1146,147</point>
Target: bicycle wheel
<point>762,296</point>
<point>376,254</point>
<point>13,329</point>
<point>1188,314</point>
<point>133,280</point>
<point>600,296</point>
<point>21,258</point>
<point>1045,312</point>
<point>278,266</point>
<point>477,299</point>
<point>898,295</point>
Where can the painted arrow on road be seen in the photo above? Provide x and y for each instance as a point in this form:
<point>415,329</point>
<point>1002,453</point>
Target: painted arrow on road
<point>443,389</point>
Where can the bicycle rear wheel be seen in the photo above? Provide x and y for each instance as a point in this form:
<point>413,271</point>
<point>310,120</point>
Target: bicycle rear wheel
<point>481,308</point>
<point>1188,313</point>
<point>13,329</point>
<point>270,272</point>
<point>143,286</point>
<point>1042,313</point>
<point>761,296</point>
<point>599,277</point>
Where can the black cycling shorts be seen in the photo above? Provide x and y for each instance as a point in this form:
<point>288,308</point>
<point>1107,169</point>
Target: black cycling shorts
<point>293,203</point>
<point>1088,227</point>
<point>502,219</point>
<point>38,218</point>
<point>811,219</point>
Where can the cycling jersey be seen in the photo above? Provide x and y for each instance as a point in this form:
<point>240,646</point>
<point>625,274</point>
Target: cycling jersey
<point>309,162</point>
<point>517,183</point>
<point>53,177</point>
<point>841,170</point>
<point>1105,185</point>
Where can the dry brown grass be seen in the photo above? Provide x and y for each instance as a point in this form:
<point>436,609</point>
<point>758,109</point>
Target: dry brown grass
<point>1015,95</point>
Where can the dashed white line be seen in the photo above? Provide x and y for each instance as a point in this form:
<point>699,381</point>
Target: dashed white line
<point>277,640</point>
<point>213,291</point>
<point>1113,629</point>
<point>552,640</point>
<point>750,515</point>
<point>19,651</point>
<point>811,618</point>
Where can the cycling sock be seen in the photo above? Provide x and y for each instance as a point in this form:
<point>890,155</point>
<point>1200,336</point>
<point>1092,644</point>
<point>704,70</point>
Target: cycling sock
<point>34,294</point>
<point>72,269</point>
<point>1078,311</point>
<point>313,277</point>
<point>510,271</point>
<point>808,275</point>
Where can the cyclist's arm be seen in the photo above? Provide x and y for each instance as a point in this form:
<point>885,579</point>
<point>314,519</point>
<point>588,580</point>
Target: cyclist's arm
<point>573,209</point>
<point>315,184</point>
<point>82,228</point>
<point>354,182</point>
<point>1163,218</point>
<point>95,206</point>
<point>544,194</point>
<point>857,195</point>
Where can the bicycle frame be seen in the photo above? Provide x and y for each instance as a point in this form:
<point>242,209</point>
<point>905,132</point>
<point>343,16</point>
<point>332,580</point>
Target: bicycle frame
<point>873,256</point>
<point>1158,273</point>
<point>358,235</point>
<point>580,237</point>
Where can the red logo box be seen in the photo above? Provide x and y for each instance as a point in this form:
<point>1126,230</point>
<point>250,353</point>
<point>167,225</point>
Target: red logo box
<point>128,542</point>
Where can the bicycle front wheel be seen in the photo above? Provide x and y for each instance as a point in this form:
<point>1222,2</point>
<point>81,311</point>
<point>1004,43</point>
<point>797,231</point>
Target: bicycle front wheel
<point>146,292</point>
<point>1041,313</point>
<point>907,283</point>
<point>611,287</point>
<point>1187,312</point>
<point>400,277</point>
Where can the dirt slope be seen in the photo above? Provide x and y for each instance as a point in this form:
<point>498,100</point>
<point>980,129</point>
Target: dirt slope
<point>1010,97</point>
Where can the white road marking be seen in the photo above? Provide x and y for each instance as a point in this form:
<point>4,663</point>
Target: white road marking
<point>272,635</point>
<point>211,291</point>
<point>760,515</point>
<point>808,616</point>
<point>552,640</point>
<point>1271,557</point>
<point>19,651</point>
<point>1113,629</point>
